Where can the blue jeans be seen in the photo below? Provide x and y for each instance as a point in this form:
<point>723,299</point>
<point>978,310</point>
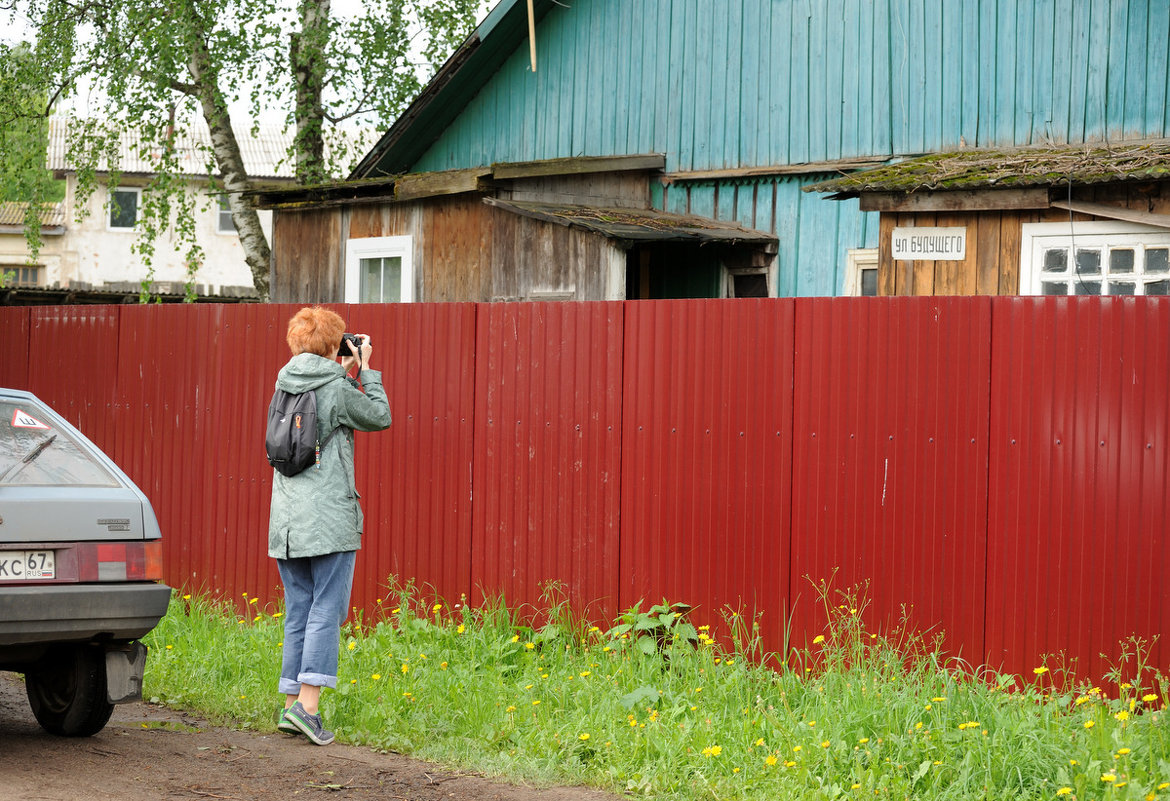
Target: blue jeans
<point>316,601</point>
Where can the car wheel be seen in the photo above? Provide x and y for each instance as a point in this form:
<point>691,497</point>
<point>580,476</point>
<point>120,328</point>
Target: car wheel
<point>67,692</point>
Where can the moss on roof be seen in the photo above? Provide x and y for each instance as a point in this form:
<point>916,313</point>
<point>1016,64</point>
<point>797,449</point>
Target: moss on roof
<point>1014,168</point>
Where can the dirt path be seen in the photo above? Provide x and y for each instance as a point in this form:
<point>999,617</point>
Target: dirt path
<point>147,753</point>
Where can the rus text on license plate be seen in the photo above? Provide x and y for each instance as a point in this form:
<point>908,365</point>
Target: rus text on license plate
<point>27,565</point>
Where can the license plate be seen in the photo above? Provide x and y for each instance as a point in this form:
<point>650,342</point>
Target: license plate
<point>27,565</point>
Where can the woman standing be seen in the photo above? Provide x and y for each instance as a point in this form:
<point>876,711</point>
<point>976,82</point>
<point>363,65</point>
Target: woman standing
<point>315,525</point>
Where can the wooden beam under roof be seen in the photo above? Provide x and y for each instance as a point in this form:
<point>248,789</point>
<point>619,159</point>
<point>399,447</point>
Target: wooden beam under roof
<point>578,166</point>
<point>956,200</point>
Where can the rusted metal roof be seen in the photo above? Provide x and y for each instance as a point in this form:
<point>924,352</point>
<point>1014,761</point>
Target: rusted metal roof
<point>12,216</point>
<point>1011,168</point>
<point>636,224</point>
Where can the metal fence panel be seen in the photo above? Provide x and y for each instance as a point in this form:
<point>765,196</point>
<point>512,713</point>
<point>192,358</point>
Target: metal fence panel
<point>547,463</point>
<point>890,454</point>
<point>706,450</point>
<point>1080,466</point>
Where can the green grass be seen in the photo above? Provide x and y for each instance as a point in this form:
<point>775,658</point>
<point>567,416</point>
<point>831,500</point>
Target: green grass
<point>654,707</point>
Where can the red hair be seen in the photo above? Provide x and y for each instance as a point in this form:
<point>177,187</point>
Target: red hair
<point>315,330</point>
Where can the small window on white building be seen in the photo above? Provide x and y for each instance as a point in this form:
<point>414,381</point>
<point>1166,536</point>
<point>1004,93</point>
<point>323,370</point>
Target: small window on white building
<point>379,270</point>
<point>861,273</point>
<point>1094,258</point>
<point>20,274</point>
<point>124,203</point>
<point>224,223</point>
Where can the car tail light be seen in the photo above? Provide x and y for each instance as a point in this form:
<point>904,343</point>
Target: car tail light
<point>119,561</point>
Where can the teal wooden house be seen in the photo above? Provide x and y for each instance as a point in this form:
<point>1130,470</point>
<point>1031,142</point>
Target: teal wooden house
<point>663,148</point>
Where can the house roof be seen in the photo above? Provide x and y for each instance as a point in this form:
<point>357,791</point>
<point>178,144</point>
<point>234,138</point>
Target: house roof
<point>265,154</point>
<point>12,217</point>
<point>636,225</point>
<point>446,95</point>
<point>1016,168</point>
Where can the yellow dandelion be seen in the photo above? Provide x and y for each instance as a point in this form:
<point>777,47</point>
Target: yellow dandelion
<point>460,629</point>
<point>1150,697</point>
<point>405,668</point>
<point>796,749</point>
<point>585,673</point>
<point>1090,724</point>
<point>1108,777</point>
<point>855,786</point>
<point>510,709</point>
<point>1040,671</point>
<point>1122,715</point>
<point>516,638</point>
<point>1163,785</point>
<point>186,597</point>
<point>863,740</point>
<point>277,614</point>
<point>817,640</point>
<point>1064,791</point>
<point>376,676</point>
<point>1083,699</point>
<point>437,608</point>
<point>790,764</point>
<point>938,699</point>
<point>351,645</point>
<point>529,645</point>
<point>760,741</point>
<point>770,760</point>
<point>825,744</point>
<point>584,736</point>
<point>442,666</point>
<point>170,647</point>
<point>536,703</point>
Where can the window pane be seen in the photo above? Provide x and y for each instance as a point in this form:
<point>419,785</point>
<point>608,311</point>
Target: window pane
<point>1087,288</point>
<point>1056,260</point>
<point>225,224</point>
<point>1053,288</point>
<point>33,451</point>
<point>1120,261</point>
<point>750,286</point>
<point>869,283</point>
<point>1157,260</point>
<point>1088,262</point>
<point>123,209</point>
<point>1158,288</point>
<point>381,280</point>
<point>1122,288</point>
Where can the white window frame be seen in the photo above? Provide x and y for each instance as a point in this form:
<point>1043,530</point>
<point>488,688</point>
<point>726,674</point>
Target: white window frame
<point>222,206</point>
<point>857,260</point>
<point>134,190</point>
<point>1036,237</point>
<point>729,274</point>
<point>378,247</point>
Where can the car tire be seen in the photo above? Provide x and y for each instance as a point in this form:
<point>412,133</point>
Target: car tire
<point>67,691</point>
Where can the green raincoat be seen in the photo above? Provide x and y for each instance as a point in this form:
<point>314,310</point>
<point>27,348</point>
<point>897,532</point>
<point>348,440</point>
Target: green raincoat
<point>317,512</point>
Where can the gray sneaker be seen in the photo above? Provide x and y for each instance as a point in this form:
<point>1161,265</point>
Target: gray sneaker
<point>308,725</point>
<point>286,725</point>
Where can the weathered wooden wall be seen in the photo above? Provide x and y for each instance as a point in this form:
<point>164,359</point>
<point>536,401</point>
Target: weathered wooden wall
<point>464,250</point>
<point>992,264</point>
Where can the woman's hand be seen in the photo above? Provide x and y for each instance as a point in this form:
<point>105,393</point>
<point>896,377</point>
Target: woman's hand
<point>359,359</point>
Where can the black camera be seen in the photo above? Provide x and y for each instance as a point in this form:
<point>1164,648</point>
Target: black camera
<point>344,349</point>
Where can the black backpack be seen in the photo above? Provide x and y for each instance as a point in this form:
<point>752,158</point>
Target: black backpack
<point>291,438</point>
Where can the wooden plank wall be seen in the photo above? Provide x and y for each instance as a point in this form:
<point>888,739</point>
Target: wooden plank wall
<point>776,82</point>
<point>992,266</point>
<point>464,250</point>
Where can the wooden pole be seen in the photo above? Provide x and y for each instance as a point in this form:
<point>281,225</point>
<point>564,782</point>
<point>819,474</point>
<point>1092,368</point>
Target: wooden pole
<point>532,35</point>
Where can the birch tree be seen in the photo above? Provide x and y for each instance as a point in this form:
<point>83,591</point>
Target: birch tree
<point>153,67</point>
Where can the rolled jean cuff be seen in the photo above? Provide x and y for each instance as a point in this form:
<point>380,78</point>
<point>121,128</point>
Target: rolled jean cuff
<point>288,686</point>
<point>318,680</point>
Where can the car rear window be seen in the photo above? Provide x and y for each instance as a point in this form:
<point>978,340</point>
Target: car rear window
<point>35,451</point>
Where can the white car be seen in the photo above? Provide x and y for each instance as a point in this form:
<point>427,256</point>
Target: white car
<point>80,570</point>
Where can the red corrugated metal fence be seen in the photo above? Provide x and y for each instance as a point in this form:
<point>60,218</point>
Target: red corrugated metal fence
<point>996,469</point>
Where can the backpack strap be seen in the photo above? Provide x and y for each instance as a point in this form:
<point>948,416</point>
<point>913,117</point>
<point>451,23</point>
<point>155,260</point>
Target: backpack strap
<point>320,444</point>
